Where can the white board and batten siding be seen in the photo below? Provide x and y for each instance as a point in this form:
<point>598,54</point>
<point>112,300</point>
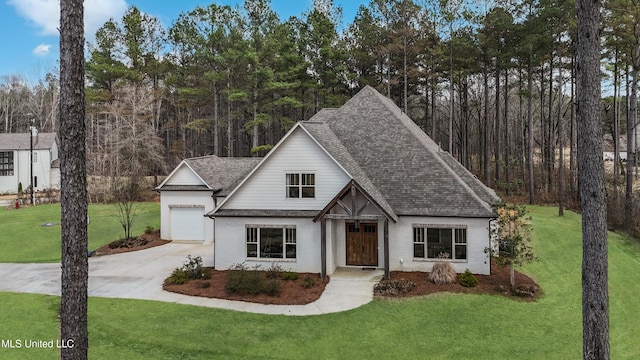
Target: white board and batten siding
<point>266,188</point>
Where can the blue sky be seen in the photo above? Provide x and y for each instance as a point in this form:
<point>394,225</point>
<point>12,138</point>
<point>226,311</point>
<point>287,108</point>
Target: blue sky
<point>29,27</point>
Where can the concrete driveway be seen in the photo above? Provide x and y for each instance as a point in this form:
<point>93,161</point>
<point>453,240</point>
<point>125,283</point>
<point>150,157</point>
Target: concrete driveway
<point>140,274</point>
<point>134,275</point>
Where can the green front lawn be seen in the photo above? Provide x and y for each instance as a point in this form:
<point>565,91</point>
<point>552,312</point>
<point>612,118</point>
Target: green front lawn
<point>23,240</point>
<point>443,326</point>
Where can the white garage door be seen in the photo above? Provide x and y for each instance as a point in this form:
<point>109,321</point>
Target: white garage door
<point>187,223</point>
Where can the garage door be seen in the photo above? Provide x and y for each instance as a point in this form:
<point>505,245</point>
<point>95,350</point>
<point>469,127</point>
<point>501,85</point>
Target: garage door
<point>187,223</point>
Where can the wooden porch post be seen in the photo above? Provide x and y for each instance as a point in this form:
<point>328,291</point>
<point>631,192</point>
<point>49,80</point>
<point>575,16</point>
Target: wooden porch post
<point>323,248</point>
<point>386,249</point>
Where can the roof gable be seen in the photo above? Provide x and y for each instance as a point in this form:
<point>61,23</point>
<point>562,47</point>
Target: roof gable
<point>297,152</point>
<point>209,173</point>
<point>183,175</point>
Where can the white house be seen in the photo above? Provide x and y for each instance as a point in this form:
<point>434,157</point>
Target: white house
<point>15,164</point>
<point>359,186</point>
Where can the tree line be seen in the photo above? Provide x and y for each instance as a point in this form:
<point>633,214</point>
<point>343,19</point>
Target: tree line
<point>493,83</point>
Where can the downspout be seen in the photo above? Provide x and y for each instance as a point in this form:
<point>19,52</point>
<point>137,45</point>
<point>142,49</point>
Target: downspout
<point>215,205</point>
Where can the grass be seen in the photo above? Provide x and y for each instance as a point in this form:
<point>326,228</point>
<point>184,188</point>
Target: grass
<point>24,240</point>
<point>442,326</point>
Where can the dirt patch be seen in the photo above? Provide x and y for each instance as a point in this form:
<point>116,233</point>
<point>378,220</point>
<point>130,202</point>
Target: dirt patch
<point>291,291</point>
<point>143,241</point>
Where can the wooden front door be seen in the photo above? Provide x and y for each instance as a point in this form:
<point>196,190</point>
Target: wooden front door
<point>362,244</point>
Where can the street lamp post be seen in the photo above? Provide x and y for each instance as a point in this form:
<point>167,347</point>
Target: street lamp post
<point>32,130</point>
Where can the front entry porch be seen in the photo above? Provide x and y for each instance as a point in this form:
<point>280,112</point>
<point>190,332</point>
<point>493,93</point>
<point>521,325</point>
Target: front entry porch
<point>362,216</point>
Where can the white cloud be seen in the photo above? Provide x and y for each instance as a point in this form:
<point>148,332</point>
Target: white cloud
<point>45,14</point>
<point>42,49</point>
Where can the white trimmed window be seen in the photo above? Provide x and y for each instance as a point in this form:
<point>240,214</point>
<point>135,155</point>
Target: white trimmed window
<point>271,242</point>
<point>440,242</point>
<point>300,185</point>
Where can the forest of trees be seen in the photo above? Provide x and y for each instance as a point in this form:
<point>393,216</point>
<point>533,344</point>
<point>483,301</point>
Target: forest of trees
<point>493,83</point>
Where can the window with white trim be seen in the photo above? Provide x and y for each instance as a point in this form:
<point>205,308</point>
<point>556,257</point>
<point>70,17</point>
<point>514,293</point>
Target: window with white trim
<point>439,242</point>
<point>6,163</point>
<point>271,242</point>
<point>300,185</point>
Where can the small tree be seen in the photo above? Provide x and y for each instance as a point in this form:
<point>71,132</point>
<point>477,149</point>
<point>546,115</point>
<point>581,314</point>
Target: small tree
<point>125,198</point>
<point>513,234</point>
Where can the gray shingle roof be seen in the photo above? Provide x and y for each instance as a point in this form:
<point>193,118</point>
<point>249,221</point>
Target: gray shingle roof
<point>220,174</point>
<point>21,141</point>
<point>373,138</point>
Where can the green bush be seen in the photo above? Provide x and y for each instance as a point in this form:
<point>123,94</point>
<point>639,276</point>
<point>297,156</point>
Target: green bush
<point>244,282</point>
<point>194,267</point>
<point>289,275</point>
<point>241,280</point>
<point>308,282</point>
<point>149,230</point>
<point>271,287</point>
<point>393,287</point>
<point>178,277</point>
<point>467,279</point>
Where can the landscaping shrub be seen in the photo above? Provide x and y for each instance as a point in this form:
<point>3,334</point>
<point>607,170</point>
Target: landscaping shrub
<point>442,273</point>
<point>289,275</point>
<point>467,279</point>
<point>274,271</point>
<point>244,282</point>
<point>241,280</point>
<point>271,287</point>
<point>149,230</point>
<point>308,282</point>
<point>523,291</point>
<point>178,277</point>
<point>393,287</point>
<point>194,268</point>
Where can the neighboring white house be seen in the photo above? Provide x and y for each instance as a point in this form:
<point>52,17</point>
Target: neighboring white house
<point>360,186</point>
<point>15,164</point>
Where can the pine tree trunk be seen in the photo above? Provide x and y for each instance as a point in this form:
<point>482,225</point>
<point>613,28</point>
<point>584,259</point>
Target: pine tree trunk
<point>73,192</point>
<point>595,296</point>
<point>631,126</point>
<point>530,129</point>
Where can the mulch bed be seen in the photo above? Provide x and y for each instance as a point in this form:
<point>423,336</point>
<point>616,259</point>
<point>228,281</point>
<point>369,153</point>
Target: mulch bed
<point>291,291</point>
<point>148,241</point>
<point>498,283</point>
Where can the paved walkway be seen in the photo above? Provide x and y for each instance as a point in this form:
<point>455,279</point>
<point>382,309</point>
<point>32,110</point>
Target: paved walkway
<point>140,274</point>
